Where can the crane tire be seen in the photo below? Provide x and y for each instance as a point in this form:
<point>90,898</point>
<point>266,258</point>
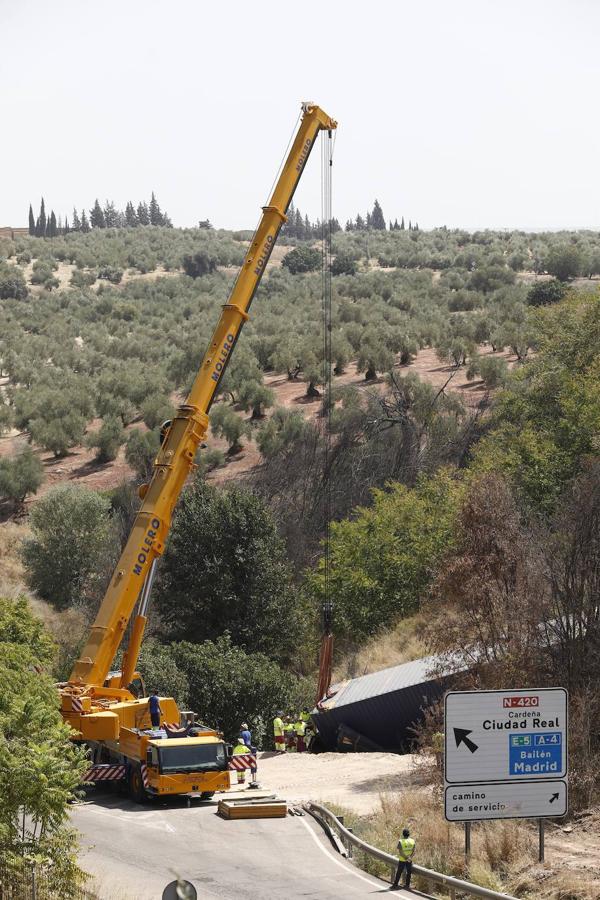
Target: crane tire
<point>207,795</point>
<point>137,791</point>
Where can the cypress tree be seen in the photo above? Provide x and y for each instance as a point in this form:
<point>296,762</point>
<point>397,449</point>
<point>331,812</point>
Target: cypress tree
<point>142,214</point>
<point>66,228</point>
<point>402,224</point>
<point>31,221</point>
<point>76,221</point>
<point>131,219</point>
<point>52,232</point>
<point>154,211</point>
<point>97,216</point>
<point>110,215</point>
<point>377,219</point>
<point>40,225</point>
<point>85,225</point>
<point>409,225</point>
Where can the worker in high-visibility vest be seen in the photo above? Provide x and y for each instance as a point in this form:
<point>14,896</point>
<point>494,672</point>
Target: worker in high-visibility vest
<point>240,749</point>
<point>300,729</point>
<point>290,735</point>
<point>406,851</point>
<point>278,733</point>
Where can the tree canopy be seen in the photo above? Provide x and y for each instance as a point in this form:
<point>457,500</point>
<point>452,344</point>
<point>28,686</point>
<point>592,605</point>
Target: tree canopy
<point>225,570</point>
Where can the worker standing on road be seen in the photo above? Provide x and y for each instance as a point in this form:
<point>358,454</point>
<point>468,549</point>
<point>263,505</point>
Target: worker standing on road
<point>241,749</point>
<point>290,735</point>
<point>278,732</point>
<point>406,851</point>
<point>155,710</point>
<point>300,729</point>
<point>245,734</point>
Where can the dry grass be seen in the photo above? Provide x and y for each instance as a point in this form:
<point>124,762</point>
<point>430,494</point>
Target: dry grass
<point>68,627</point>
<point>12,580</point>
<point>402,643</point>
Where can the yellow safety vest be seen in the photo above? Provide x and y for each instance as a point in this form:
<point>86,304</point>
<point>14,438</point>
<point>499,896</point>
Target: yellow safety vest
<point>405,848</point>
<point>305,717</point>
<point>277,726</point>
<point>239,749</point>
<point>301,729</point>
<point>289,728</point>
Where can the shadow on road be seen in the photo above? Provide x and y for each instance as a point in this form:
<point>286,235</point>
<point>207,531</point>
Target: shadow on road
<point>117,799</point>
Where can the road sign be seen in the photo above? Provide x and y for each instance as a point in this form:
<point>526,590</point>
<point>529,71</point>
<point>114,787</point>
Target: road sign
<point>505,735</point>
<point>508,800</point>
<point>505,754</point>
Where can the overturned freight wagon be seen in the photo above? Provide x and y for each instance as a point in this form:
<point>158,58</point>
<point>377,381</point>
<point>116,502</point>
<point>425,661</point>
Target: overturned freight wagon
<point>378,711</point>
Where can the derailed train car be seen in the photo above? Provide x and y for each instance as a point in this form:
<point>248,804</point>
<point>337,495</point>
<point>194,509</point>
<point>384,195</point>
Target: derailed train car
<point>379,711</point>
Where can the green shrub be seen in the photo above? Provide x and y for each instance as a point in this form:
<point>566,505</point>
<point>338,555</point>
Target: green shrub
<point>20,475</point>
<point>71,548</point>
<point>302,259</point>
<point>110,273</point>
<point>107,440</point>
<point>544,292</point>
<point>198,264</point>
<point>12,283</point>
<point>141,450</point>
<point>81,279</point>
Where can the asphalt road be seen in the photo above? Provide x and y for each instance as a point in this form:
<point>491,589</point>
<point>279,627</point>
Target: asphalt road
<point>135,851</point>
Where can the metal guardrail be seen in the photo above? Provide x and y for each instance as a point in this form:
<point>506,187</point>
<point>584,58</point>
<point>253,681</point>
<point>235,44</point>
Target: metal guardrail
<point>454,885</point>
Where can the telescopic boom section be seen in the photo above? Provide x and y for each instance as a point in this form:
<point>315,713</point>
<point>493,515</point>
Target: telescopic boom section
<point>172,466</point>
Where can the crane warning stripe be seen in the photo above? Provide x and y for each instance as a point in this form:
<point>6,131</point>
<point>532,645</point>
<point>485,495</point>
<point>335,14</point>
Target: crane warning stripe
<point>76,704</point>
<point>105,773</point>
<point>145,780</point>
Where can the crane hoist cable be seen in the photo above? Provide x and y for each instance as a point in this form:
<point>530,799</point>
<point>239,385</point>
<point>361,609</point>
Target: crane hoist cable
<point>326,652</point>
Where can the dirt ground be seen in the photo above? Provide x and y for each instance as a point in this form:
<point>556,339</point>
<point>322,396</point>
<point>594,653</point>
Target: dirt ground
<point>80,466</point>
<point>353,780</point>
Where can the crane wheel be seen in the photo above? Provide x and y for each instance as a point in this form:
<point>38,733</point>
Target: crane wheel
<point>137,791</point>
<point>207,795</point>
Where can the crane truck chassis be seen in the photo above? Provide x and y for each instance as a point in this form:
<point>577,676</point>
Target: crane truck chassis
<point>101,706</point>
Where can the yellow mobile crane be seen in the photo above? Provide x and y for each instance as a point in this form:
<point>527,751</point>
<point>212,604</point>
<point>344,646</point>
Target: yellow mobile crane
<point>99,705</point>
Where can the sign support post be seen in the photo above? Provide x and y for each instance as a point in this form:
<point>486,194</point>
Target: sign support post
<point>541,840</point>
<point>467,841</point>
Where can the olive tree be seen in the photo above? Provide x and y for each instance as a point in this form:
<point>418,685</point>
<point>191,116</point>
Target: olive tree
<point>71,547</point>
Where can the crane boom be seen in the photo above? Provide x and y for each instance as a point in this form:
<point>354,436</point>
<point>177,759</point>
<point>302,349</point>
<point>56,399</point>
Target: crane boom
<point>175,459</point>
